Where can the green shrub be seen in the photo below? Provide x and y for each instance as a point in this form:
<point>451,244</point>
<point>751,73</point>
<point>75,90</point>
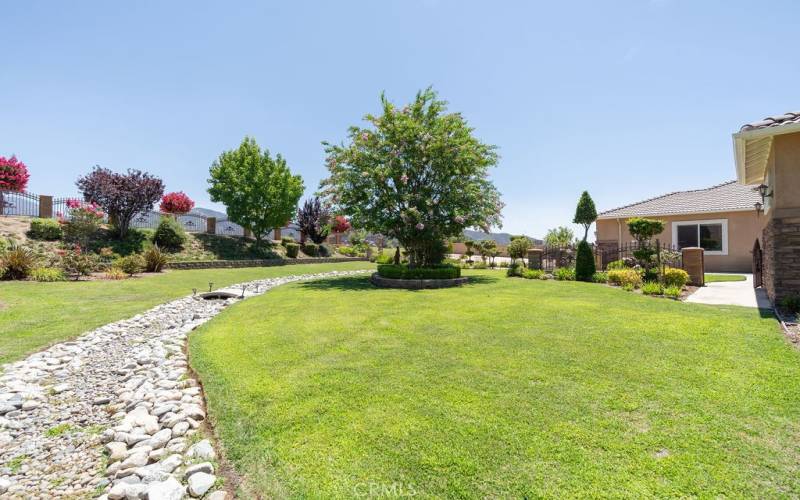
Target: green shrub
<point>442,271</point>
<point>45,229</point>
<point>325,250</point>
<point>115,274</point>
<point>311,249</point>
<point>4,245</point>
<point>285,240</point>
<point>83,226</point>
<point>675,277</point>
<point>533,274</point>
<point>628,287</point>
<point>600,277</point>
<point>134,241</point>
<point>18,262</point>
<point>564,274</point>
<point>673,292</point>
<point>47,274</point>
<point>479,265</point>
<point>625,277</point>
<point>347,251</point>
<point>617,264</point>
<point>292,249</point>
<point>652,288</point>
<point>130,264</point>
<point>154,259</point>
<point>76,263</point>
<point>584,262</point>
<point>384,259</point>
<point>515,269</point>
<point>791,303</point>
<point>170,234</point>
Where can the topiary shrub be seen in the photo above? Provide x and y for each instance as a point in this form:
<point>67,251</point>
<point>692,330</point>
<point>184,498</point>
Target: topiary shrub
<point>401,271</point>
<point>514,269</point>
<point>292,250</point>
<point>584,262</point>
<point>170,234</point>
<point>600,277</point>
<point>564,274</point>
<point>325,250</point>
<point>45,229</point>
<point>47,274</point>
<point>130,265</point>
<point>154,259</point>
<point>285,240</point>
<point>311,249</point>
<point>625,277</point>
<point>675,277</point>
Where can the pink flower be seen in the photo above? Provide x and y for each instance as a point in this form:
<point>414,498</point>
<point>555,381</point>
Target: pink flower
<point>420,226</point>
<point>73,203</point>
<point>459,219</point>
<point>364,136</point>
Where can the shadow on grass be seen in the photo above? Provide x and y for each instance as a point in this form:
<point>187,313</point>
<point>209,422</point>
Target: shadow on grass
<point>362,284</point>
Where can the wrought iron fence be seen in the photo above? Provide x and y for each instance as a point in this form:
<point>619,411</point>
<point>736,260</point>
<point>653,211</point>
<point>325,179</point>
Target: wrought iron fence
<point>228,228</point>
<point>558,256</point>
<point>668,255</point>
<point>19,203</point>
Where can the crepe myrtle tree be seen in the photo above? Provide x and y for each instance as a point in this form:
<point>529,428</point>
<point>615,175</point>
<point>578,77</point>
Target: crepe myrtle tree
<point>259,191</point>
<point>314,220</point>
<point>122,196</point>
<point>417,174</point>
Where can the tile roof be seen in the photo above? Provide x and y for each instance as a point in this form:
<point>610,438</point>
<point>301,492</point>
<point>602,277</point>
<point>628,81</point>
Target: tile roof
<point>773,121</point>
<point>729,196</point>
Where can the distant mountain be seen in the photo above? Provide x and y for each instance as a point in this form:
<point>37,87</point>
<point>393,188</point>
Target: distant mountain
<point>500,238</point>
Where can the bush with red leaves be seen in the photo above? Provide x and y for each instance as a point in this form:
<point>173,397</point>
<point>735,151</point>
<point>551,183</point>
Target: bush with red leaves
<point>176,203</point>
<point>13,174</point>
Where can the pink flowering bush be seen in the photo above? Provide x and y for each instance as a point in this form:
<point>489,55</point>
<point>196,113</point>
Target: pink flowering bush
<point>13,174</point>
<point>84,221</point>
<point>340,224</point>
<point>176,203</point>
<point>76,263</point>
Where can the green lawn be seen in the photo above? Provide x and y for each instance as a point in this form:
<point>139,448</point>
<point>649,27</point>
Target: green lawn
<point>33,315</point>
<point>711,278</point>
<point>505,388</point>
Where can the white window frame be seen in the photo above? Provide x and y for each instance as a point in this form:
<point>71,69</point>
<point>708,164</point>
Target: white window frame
<point>723,222</point>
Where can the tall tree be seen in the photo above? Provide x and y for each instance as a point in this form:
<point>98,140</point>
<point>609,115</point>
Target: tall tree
<point>122,196</point>
<point>417,174</point>
<point>259,191</point>
<point>585,213</point>
<point>559,236</point>
<point>314,220</point>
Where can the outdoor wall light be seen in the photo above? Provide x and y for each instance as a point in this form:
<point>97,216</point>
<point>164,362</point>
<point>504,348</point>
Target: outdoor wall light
<point>764,191</point>
<point>759,208</point>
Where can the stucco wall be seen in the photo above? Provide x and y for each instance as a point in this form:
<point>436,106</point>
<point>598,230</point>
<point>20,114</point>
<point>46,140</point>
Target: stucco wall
<point>743,229</point>
<point>785,167</point>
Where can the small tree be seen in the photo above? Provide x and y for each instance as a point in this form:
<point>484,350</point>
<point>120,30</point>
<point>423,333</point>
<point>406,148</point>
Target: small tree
<point>259,191</point>
<point>584,262</point>
<point>643,230</point>
<point>340,224</point>
<point>487,248</point>
<point>122,196</point>
<point>559,236</point>
<point>176,203</point>
<point>585,213</point>
<point>13,174</point>
<point>470,245</point>
<point>416,174</point>
<point>314,220</point>
<point>518,248</point>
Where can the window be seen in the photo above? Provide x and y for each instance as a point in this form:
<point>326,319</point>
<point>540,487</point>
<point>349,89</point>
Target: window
<point>710,235</point>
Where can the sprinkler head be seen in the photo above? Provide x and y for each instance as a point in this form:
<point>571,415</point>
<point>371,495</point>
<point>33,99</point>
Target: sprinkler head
<point>210,285</point>
<point>194,292</point>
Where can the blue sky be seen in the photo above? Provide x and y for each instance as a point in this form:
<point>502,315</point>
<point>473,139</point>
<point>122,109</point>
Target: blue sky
<point>627,99</point>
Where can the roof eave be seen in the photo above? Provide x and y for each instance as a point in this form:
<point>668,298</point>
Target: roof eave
<point>740,140</point>
<point>674,214</point>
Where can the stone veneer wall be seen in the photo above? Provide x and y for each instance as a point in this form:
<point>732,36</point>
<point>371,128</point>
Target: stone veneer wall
<point>211,264</point>
<point>781,258</point>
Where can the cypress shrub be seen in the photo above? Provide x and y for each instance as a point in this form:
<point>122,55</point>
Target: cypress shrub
<point>169,234</point>
<point>584,262</point>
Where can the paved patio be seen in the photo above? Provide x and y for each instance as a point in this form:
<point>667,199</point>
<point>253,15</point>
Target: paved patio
<point>732,293</point>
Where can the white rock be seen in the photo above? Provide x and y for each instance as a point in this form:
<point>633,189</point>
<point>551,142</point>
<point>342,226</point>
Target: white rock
<point>218,495</point>
<point>200,483</point>
<point>135,460</point>
<point>171,463</point>
<point>58,389</point>
<point>206,467</point>
<point>169,489</point>
<point>203,450</point>
<point>180,429</point>
<point>159,439</point>
<point>116,451</point>
<point>5,484</point>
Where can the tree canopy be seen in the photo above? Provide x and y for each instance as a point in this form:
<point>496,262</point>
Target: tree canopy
<point>585,213</point>
<point>416,174</point>
<point>314,220</point>
<point>259,191</point>
<point>559,236</point>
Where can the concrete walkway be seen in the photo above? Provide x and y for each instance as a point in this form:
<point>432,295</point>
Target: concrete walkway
<point>732,293</point>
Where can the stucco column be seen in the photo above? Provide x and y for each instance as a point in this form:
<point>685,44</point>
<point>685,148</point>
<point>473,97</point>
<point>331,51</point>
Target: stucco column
<point>535,258</point>
<point>45,206</point>
<point>211,225</point>
<point>694,264</point>
<point>277,235</point>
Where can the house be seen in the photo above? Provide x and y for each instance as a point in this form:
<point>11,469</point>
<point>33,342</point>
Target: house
<point>767,154</point>
<point>721,219</point>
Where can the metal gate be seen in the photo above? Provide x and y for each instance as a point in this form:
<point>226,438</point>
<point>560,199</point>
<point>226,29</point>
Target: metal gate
<point>757,265</point>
